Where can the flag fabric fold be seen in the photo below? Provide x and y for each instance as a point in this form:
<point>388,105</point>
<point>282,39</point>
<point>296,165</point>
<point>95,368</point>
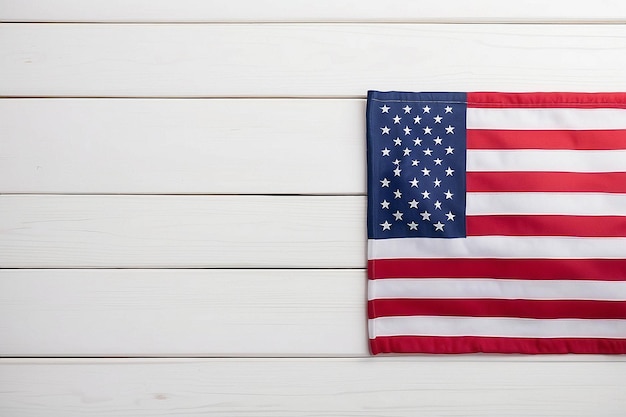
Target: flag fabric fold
<point>496,222</point>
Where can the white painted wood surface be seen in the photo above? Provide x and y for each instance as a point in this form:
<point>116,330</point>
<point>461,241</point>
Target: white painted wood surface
<point>246,97</point>
<point>182,231</point>
<point>391,387</point>
<point>304,11</point>
<point>316,60</point>
<point>178,146</point>
<point>182,312</point>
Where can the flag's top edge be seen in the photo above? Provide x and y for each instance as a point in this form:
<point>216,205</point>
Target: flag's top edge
<point>553,99</point>
<point>416,97</point>
<point>509,100</point>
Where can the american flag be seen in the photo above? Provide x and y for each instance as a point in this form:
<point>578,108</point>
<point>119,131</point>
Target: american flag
<point>496,222</point>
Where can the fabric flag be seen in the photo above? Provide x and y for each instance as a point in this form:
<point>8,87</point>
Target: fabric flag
<point>496,222</point>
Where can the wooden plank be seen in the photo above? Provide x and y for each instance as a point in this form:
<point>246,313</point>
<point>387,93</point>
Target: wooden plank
<point>182,231</point>
<point>394,387</point>
<point>317,60</point>
<point>182,146</point>
<point>321,10</point>
<point>182,312</point>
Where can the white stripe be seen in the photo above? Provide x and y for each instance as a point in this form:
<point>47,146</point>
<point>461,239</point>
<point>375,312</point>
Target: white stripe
<point>546,119</point>
<point>547,160</point>
<point>496,326</point>
<point>497,288</point>
<point>580,204</point>
<point>510,247</point>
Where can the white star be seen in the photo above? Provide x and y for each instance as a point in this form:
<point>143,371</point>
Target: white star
<point>385,130</point>
<point>438,161</point>
<point>385,182</point>
<point>449,150</point>
<point>385,108</point>
<point>448,195</point>
<point>413,203</point>
<point>449,130</point>
<point>438,205</point>
<point>397,194</point>
<point>437,119</point>
<point>406,109</point>
<point>426,195</point>
<point>386,225</point>
<point>426,109</point>
<point>448,109</point>
<point>437,182</point>
<point>417,120</point>
<point>398,215</point>
<point>396,162</point>
<point>426,172</point>
<point>407,130</point>
<point>414,182</point>
<point>428,152</point>
<point>449,172</point>
<point>385,152</point>
<point>417,142</point>
<point>439,226</point>
<point>412,225</point>
<point>450,216</point>
<point>437,140</point>
<point>396,172</point>
<point>425,215</point>
<point>397,141</point>
<point>396,120</point>
<point>385,204</point>
<point>414,162</point>
<point>427,130</point>
<point>406,151</point>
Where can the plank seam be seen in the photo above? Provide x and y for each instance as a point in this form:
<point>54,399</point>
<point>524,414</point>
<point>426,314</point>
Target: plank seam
<point>581,21</point>
<point>468,358</point>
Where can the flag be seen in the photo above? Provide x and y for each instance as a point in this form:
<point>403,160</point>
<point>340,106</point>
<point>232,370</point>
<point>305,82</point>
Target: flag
<point>496,222</point>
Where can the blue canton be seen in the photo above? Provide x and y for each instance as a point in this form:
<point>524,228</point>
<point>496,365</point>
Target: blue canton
<point>416,164</point>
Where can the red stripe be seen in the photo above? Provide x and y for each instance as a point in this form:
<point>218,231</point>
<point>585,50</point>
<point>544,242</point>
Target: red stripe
<point>543,100</point>
<point>546,139</point>
<point>532,309</point>
<point>474,344</point>
<point>548,225</point>
<point>585,269</point>
<point>581,182</point>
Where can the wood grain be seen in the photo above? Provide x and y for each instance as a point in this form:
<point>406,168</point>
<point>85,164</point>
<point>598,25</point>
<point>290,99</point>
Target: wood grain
<point>282,113</point>
<point>393,387</point>
<point>321,10</point>
<point>177,146</point>
<point>182,312</point>
<point>316,60</point>
<point>182,231</point>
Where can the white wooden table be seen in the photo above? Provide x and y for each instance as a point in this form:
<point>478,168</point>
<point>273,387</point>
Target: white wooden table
<point>182,203</point>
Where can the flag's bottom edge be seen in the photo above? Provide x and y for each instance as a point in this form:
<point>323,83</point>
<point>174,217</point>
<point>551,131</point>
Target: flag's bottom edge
<point>475,344</point>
